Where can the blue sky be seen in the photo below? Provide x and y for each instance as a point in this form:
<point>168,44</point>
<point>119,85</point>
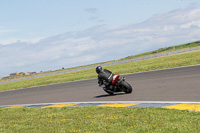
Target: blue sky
<point>67,33</point>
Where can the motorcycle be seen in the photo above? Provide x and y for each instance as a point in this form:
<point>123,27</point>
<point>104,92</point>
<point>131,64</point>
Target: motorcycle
<point>118,85</point>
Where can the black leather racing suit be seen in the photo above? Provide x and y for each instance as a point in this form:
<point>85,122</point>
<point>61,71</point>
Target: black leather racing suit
<point>105,75</point>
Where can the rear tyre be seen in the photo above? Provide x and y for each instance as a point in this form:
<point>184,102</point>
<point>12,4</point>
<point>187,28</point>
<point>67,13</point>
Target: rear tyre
<point>126,87</point>
<point>107,91</point>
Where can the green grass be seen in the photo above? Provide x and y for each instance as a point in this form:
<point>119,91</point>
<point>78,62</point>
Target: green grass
<point>183,59</point>
<point>98,120</point>
<point>168,49</point>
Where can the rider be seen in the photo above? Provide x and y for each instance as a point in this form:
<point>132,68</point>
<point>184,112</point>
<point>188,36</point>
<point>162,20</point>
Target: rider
<point>104,74</point>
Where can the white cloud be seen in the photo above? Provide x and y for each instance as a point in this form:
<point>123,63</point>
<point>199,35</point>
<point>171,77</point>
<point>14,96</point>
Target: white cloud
<point>7,41</point>
<point>34,40</point>
<point>169,27</point>
<point>190,24</point>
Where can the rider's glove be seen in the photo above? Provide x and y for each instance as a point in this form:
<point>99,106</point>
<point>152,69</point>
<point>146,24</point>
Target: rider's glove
<point>99,83</point>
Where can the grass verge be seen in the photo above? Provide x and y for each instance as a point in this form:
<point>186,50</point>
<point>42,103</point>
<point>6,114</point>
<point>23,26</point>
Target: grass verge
<point>98,119</point>
<point>168,49</point>
<point>183,59</point>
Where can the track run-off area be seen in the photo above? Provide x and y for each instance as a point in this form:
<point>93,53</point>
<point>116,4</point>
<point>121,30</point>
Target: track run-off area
<point>176,88</point>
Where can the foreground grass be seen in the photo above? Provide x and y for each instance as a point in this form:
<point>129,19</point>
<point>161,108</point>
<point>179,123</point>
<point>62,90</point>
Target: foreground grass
<point>98,119</point>
<point>183,59</point>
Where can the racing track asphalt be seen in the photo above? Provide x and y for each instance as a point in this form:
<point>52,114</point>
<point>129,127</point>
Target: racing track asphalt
<point>177,84</point>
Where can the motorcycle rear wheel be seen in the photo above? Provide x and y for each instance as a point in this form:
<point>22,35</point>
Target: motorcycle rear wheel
<point>126,87</point>
<point>107,91</point>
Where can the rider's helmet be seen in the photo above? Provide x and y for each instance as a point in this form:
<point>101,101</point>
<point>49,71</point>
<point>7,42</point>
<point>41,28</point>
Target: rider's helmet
<point>98,69</point>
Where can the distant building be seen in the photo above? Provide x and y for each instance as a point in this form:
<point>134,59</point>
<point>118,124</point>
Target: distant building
<point>7,77</point>
<point>13,74</point>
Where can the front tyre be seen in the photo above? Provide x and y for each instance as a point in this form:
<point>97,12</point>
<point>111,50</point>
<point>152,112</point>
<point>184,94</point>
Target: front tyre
<point>126,87</point>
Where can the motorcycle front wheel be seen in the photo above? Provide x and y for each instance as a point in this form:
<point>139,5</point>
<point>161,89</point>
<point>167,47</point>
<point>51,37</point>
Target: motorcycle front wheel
<point>126,87</point>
